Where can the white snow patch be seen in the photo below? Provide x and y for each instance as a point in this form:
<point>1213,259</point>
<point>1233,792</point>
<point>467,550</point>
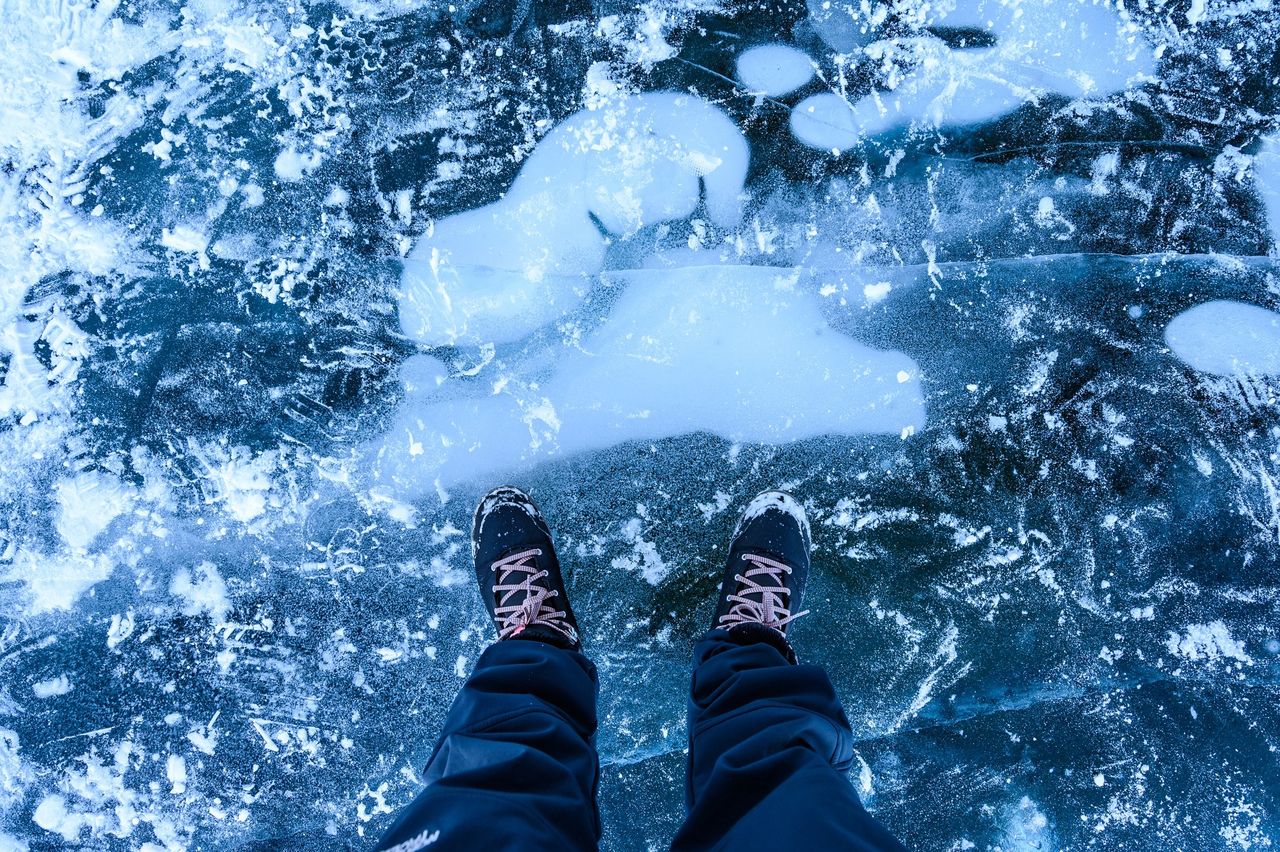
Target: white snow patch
<point>875,292</point>
<point>120,628</point>
<point>1207,642</point>
<point>238,480</point>
<point>93,795</point>
<point>52,815</point>
<point>204,739</point>
<point>679,354</point>
<point>59,685</point>
<point>496,273</point>
<point>56,580</point>
<point>641,34</point>
<point>88,503</point>
<point>186,239</point>
<point>203,592</point>
<point>644,558</point>
<point>291,166</point>
<point>719,502</point>
<point>1227,338</point>
<point>176,772</point>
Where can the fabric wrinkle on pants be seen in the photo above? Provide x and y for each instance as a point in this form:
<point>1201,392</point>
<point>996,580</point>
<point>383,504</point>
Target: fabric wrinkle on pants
<point>516,766</point>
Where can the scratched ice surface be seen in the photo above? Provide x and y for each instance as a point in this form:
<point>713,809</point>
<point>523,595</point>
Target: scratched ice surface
<point>992,287</point>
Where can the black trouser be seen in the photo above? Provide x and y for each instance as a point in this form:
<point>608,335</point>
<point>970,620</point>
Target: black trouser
<point>516,768</point>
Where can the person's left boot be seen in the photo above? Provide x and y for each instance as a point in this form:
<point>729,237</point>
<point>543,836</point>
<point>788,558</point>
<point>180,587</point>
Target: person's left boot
<point>518,571</point>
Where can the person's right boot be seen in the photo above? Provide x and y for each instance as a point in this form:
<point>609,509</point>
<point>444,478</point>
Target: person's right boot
<point>765,575</point>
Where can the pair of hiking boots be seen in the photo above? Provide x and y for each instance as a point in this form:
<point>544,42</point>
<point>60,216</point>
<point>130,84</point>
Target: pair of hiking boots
<point>524,591</point>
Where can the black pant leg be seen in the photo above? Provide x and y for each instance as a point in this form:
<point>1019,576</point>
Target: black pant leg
<point>516,766</point>
<point>769,749</point>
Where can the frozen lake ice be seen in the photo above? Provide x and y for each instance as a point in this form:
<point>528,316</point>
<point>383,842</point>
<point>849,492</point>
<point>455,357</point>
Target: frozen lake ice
<point>992,287</point>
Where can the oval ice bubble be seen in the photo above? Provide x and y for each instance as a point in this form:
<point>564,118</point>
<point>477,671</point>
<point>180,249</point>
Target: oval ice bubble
<point>1227,338</point>
<point>774,69</point>
<point>824,122</point>
<point>422,374</point>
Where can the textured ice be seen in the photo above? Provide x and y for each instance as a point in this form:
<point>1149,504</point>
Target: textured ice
<point>845,26</point>
<point>825,121</point>
<point>1268,177</point>
<point>286,287</point>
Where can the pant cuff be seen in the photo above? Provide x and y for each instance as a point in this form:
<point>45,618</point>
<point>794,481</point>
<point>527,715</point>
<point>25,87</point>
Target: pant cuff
<point>750,633</point>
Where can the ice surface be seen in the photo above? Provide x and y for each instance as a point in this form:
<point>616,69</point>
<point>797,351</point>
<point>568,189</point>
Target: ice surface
<point>1268,177</point>
<point>286,287</point>
<point>845,26</point>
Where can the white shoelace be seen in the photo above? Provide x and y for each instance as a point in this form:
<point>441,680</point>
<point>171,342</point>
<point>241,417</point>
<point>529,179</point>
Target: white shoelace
<point>771,608</point>
<point>533,609</point>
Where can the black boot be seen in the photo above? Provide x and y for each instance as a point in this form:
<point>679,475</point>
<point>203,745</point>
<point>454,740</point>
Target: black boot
<point>765,575</point>
<point>518,571</point>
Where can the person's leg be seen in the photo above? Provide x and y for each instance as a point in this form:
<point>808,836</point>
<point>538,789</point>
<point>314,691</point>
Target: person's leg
<point>769,749</point>
<point>515,766</point>
<point>769,744</point>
